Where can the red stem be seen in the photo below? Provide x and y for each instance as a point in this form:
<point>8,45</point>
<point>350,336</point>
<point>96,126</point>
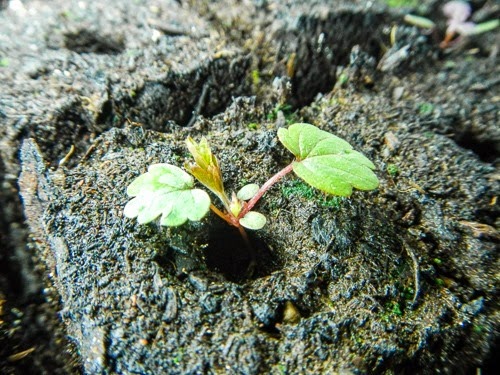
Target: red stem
<point>278,176</point>
<point>229,219</point>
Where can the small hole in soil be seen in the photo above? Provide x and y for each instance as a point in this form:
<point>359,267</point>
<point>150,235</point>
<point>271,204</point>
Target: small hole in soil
<point>485,149</point>
<point>228,254</point>
<point>88,41</point>
<point>272,331</point>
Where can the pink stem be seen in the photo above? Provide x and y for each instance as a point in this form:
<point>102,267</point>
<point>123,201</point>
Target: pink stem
<point>278,176</point>
<point>229,219</point>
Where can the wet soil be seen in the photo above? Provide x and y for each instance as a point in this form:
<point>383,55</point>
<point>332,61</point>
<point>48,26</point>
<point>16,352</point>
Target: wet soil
<point>403,279</point>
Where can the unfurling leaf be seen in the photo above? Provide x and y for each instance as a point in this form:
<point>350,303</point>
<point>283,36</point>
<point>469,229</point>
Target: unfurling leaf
<point>206,167</point>
<point>235,205</point>
<point>166,190</point>
<point>326,161</point>
<point>253,220</point>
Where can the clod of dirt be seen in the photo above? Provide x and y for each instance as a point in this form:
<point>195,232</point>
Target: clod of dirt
<point>356,274</point>
<point>390,281</point>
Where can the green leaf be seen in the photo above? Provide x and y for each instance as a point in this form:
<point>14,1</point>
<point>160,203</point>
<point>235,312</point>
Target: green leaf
<point>166,190</point>
<point>418,21</point>
<point>484,27</point>
<point>247,192</point>
<point>253,220</point>
<point>326,161</point>
<point>160,177</point>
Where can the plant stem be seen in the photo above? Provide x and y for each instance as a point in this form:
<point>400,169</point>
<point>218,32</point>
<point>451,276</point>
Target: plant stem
<point>221,214</point>
<point>278,176</point>
<point>253,262</point>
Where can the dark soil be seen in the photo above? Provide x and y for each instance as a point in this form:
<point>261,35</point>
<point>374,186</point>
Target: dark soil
<point>403,279</point>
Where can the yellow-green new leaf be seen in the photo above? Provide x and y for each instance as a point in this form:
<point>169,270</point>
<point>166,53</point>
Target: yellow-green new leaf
<point>206,167</point>
<point>326,161</point>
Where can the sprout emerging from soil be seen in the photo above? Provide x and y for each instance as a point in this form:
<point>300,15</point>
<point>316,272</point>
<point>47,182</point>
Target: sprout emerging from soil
<point>457,13</point>
<point>322,160</point>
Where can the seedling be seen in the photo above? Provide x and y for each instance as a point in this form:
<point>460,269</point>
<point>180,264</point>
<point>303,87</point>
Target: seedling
<point>425,108</point>
<point>287,112</point>
<point>322,160</point>
<point>392,169</point>
<point>457,13</point>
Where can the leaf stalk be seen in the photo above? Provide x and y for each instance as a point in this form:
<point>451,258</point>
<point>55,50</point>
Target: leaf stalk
<point>269,183</point>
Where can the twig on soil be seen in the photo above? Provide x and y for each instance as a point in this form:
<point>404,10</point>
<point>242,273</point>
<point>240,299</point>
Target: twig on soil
<point>88,152</point>
<point>416,275</point>
<point>20,355</point>
<point>172,30</point>
<point>65,159</point>
<point>199,105</point>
